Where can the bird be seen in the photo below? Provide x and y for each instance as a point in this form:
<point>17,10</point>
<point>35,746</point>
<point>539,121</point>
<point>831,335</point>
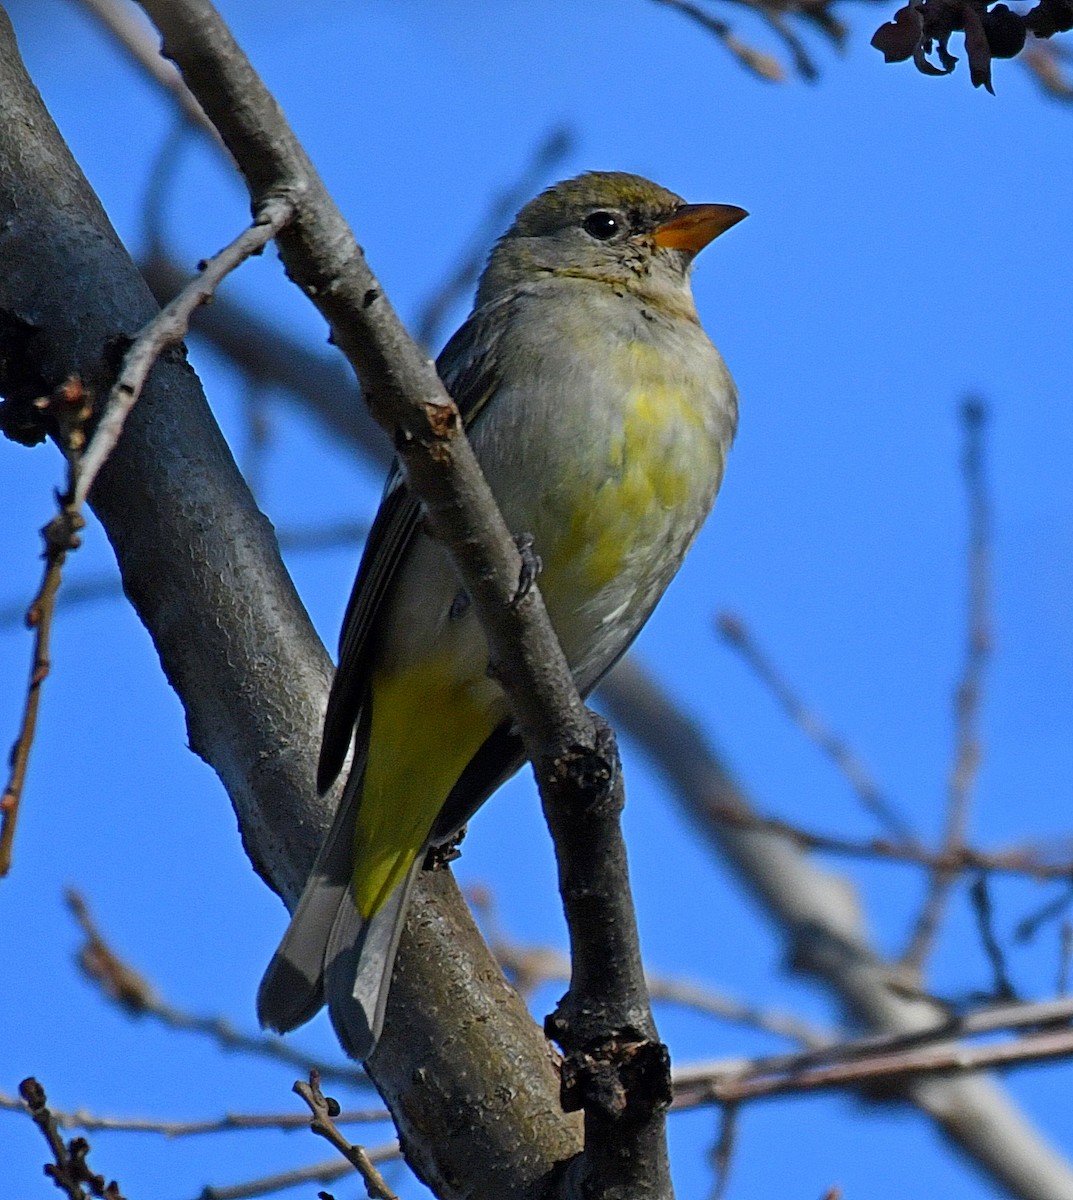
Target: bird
<point>601,415</point>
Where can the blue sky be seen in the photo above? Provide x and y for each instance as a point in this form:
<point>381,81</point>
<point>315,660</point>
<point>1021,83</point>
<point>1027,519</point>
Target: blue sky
<point>909,242</point>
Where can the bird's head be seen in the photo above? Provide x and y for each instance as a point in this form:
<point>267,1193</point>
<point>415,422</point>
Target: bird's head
<point>608,226</point>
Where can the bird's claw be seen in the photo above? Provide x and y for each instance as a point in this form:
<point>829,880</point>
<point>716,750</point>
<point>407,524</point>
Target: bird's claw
<point>531,566</point>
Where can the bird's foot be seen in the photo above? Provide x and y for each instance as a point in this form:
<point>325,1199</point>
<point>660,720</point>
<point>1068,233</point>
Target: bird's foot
<point>531,566</point>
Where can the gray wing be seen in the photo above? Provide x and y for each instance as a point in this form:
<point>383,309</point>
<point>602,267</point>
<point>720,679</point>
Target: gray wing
<point>470,375</point>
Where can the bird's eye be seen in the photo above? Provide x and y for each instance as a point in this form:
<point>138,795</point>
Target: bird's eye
<point>602,225</point>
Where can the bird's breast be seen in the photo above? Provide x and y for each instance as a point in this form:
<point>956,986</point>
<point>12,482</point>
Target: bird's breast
<point>622,452</point>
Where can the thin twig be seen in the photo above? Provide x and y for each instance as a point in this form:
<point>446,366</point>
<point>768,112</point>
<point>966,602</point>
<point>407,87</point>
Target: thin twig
<point>736,634</point>
<point>995,1018</point>
<point>229,1123</point>
<point>69,1171</point>
<point>70,406</point>
<point>323,1172</point>
<point>549,154</point>
<point>1027,928</point>
<point>128,988</point>
<point>980,895</point>
<point>322,1123</point>
<point>169,328</point>
<point>734,1083</point>
<point>1025,861</point>
<point>969,692</point>
<point>528,967</point>
<point>763,65</point>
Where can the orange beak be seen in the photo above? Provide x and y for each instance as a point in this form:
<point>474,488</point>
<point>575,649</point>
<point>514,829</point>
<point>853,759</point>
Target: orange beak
<point>693,226</point>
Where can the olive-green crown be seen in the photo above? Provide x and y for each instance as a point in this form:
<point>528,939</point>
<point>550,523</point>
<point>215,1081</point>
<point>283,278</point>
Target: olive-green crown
<point>643,201</point>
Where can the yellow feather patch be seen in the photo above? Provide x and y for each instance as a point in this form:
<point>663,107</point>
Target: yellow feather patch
<point>428,721</point>
<point>651,468</point>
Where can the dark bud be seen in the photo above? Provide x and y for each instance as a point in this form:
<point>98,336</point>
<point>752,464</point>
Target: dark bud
<point>1005,32</point>
<point>1050,17</point>
<point>897,40</point>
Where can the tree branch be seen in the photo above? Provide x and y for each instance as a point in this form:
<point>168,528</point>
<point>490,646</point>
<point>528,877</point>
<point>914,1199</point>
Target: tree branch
<point>574,757</point>
<point>201,567</point>
<point>822,925</point>
<point>811,908</point>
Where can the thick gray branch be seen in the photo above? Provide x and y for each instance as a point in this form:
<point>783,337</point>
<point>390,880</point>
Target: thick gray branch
<point>201,566</point>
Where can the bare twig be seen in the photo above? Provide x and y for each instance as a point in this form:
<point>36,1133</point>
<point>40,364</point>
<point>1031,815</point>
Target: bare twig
<point>734,1084</point>
<point>126,987</point>
<point>528,967</point>
<point>1037,1015</point>
<point>323,1172</point>
<point>168,329</point>
<point>1027,928</point>
<point>980,895</point>
<point>762,65</point>
<point>969,692</point>
<point>1030,862</point>
<point>322,1123</point>
<point>552,150</point>
<point>69,1171</point>
<point>737,635</point>
<point>229,1123</point>
<point>70,407</point>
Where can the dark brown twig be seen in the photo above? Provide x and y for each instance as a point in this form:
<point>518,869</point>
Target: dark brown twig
<point>969,692</point>
<point>322,1123</point>
<point>70,407</point>
<point>69,1170</point>
<point>982,908</point>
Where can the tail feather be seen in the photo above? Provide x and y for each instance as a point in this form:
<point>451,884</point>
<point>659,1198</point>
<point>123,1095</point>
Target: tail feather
<point>292,990</point>
<point>359,958</point>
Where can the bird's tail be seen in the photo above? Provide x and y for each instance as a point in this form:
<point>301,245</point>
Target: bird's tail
<point>359,958</point>
<point>330,954</point>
